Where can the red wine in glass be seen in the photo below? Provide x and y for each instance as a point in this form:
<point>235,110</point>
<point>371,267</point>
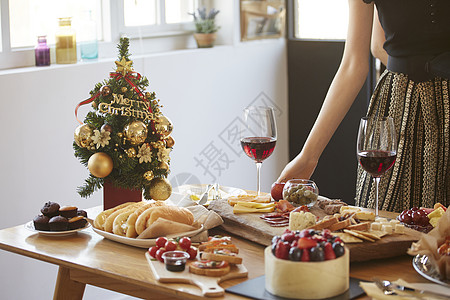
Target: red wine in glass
<point>258,136</point>
<point>376,148</point>
<point>377,162</point>
<point>258,148</point>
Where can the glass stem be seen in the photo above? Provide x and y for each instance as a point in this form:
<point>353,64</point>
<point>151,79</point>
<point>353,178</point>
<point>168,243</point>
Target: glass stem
<point>377,182</point>
<point>258,178</point>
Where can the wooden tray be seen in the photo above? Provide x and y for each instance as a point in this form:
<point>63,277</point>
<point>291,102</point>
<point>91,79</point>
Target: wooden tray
<point>252,227</point>
<point>209,285</point>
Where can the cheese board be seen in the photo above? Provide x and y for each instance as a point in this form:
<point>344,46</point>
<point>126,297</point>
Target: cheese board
<point>209,285</point>
<point>252,227</point>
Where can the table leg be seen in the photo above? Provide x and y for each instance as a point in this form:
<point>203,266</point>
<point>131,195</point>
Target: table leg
<point>66,288</point>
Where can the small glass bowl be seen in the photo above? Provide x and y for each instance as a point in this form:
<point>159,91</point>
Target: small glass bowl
<point>175,261</point>
<point>301,192</point>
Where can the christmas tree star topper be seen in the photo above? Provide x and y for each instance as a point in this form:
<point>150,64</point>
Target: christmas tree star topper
<point>124,66</point>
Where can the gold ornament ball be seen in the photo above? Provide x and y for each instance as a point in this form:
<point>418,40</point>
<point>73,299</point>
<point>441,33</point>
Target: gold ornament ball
<point>160,189</point>
<point>170,142</point>
<point>82,135</point>
<point>136,132</point>
<point>149,175</point>
<point>163,165</point>
<point>163,125</point>
<point>100,164</point>
<point>131,152</point>
<point>105,90</point>
<point>124,89</point>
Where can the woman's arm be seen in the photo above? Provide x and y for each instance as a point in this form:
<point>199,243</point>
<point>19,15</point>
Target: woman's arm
<point>346,85</point>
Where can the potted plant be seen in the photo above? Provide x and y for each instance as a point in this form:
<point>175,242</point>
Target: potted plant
<point>205,27</point>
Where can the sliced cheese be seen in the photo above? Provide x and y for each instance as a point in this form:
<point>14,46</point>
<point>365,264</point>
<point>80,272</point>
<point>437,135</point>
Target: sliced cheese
<point>365,215</point>
<point>239,209</point>
<point>349,209</point>
<point>381,220</point>
<point>255,204</point>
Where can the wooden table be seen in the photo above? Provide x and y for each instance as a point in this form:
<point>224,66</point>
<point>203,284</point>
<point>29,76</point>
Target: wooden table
<point>87,258</point>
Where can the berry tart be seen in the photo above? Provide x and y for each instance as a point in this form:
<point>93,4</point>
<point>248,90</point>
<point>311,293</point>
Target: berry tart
<point>299,263</point>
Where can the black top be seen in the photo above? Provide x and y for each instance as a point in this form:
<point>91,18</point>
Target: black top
<point>415,27</point>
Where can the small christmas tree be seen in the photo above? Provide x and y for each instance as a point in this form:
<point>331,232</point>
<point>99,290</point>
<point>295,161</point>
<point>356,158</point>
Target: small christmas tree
<point>126,139</point>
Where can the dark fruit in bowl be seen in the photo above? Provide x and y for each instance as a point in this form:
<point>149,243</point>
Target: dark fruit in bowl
<point>277,190</point>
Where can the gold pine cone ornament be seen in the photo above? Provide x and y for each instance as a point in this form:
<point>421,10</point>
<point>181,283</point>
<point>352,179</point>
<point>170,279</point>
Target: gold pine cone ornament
<point>82,135</point>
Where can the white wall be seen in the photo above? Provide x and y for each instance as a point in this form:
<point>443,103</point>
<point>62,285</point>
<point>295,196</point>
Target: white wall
<point>203,92</point>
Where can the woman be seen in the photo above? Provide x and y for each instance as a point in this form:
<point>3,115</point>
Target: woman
<point>416,31</point>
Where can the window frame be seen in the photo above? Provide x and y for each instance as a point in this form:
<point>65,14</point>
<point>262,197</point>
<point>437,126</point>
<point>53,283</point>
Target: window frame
<point>112,25</point>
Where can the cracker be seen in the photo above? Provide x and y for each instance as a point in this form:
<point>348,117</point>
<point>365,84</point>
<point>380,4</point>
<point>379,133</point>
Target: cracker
<point>347,238</point>
<point>358,235</point>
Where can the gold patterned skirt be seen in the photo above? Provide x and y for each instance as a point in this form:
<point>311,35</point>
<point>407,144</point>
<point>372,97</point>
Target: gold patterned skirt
<point>420,175</point>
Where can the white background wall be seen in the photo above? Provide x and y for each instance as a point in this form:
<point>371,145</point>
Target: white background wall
<point>203,92</point>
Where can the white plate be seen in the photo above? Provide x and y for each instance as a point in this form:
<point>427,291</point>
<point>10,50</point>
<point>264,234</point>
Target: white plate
<point>30,226</point>
<point>141,243</point>
<point>424,267</point>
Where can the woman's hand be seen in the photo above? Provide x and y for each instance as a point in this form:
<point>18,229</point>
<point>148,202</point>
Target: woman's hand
<point>300,167</point>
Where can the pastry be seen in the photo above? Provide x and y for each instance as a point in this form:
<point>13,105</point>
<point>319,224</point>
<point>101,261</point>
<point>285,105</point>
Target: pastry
<point>209,268</point>
<point>50,209</point>
<point>41,223</point>
<point>58,223</point>
<point>68,211</point>
<point>222,255</point>
<point>77,222</point>
<point>81,212</point>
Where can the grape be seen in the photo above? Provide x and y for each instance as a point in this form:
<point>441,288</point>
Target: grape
<point>316,254</point>
<point>295,254</point>
<point>339,249</point>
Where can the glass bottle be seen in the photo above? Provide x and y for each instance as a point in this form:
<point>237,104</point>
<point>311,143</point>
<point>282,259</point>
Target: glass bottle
<point>66,45</point>
<point>42,52</point>
<point>88,38</point>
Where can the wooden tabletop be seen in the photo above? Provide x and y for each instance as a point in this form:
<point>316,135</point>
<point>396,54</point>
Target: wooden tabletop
<point>88,258</point>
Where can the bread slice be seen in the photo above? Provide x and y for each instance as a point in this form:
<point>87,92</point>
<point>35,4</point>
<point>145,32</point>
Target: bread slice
<point>363,226</point>
<point>325,223</point>
<point>221,268</point>
<point>229,247</point>
<point>222,255</point>
<point>101,217</point>
<point>340,225</point>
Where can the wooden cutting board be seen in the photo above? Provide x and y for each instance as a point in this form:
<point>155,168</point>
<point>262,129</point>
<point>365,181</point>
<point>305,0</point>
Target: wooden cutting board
<point>252,227</point>
<point>209,285</point>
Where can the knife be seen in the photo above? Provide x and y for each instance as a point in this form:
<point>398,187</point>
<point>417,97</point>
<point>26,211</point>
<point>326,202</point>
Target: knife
<point>410,291</point>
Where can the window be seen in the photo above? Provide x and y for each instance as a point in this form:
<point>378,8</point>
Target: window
<point>22,21</point>
<point>320,19</point>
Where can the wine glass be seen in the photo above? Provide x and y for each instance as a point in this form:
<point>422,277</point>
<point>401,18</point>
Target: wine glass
<point>376,148</point>
<point>258,136</point>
